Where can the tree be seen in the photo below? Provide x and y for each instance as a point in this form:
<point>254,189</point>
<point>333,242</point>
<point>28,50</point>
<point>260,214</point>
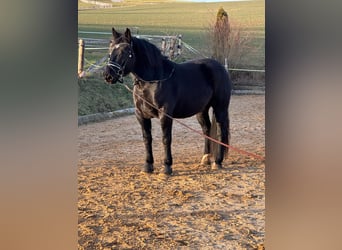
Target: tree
<point>221,34</point>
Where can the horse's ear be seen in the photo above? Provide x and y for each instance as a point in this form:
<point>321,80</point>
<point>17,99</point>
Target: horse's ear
<point>128,34</point>
<point>115,34</point>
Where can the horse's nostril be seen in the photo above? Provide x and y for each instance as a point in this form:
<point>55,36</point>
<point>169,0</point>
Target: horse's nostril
<point>108,78</point>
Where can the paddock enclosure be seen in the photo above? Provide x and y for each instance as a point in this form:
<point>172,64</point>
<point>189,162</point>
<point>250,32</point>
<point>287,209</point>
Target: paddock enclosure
<point>120,207</point>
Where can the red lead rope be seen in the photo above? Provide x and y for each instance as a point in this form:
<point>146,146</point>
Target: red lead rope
<point>262,158</point>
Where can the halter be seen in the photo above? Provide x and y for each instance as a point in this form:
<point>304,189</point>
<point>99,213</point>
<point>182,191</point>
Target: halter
<point>117,68</point>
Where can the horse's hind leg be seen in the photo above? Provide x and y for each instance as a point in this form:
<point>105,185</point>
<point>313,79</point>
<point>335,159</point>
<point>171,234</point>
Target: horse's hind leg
<point>146,126</point>
<point>204,121</point>
<point>222,128</point>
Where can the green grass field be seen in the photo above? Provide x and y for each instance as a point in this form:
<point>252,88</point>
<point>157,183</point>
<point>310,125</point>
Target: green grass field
<point>189,19</point>
<point>96,97</point>
<point>173,16</point>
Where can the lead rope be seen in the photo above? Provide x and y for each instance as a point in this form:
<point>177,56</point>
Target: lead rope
<point>259,157</point>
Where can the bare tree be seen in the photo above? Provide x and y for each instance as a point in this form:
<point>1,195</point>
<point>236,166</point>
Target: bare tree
<point>227,41</point>
<point>220,36</point>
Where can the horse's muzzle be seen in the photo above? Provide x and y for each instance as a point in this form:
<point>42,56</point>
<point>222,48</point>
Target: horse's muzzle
<point>112,76</point>
<point>109,78</point>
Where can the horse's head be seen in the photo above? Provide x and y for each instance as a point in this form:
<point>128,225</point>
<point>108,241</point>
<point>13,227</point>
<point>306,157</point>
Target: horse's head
<point>121,57</point>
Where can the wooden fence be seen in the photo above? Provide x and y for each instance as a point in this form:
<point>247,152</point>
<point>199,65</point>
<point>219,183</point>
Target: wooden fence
<point>170,46</point>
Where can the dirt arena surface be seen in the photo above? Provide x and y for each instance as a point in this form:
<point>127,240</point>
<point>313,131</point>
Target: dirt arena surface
<point>120,207</point>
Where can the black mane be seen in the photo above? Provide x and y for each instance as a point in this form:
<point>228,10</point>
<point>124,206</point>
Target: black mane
<point>148,51</point>
<point>151,64</point>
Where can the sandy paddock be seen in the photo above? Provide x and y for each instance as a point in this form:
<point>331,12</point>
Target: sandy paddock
<point>120,207</point>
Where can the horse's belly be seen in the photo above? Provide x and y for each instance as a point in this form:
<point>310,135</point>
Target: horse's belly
<point>192,103</point>
<point>184,115</point>
<point>187,109</point>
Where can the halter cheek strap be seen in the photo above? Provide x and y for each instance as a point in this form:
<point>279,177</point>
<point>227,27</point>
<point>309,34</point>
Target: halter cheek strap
<point>114,65</point>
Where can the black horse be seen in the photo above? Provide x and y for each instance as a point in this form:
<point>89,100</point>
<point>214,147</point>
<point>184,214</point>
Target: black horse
<point>175,90</point>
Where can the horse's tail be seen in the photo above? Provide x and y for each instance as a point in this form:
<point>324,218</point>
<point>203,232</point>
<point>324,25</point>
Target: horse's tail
<point>228,137</point>
<point>214,147</point>
<point>213,134</point>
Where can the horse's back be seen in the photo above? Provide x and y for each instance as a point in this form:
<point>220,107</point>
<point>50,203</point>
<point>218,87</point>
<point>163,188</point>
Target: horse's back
<point>211,69</point>
<point>199,84</point>
<point>214,73</point>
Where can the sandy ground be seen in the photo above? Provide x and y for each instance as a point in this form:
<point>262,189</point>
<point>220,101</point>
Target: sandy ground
<point>120,207</point>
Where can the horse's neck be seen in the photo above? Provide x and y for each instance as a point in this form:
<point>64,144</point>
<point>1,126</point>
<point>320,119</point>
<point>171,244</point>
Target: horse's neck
<point>146,73</point>
<point>149,73</point>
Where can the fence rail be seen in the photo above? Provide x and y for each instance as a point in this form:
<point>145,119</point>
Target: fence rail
<point>170,46</point>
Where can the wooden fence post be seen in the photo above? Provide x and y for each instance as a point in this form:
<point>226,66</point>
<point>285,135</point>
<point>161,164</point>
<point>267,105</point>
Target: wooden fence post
<point>163,46</point>
<point>172,47</point>
<point>179,46</point>
<point>80,58</point>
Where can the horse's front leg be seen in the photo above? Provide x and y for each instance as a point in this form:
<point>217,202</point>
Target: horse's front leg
<point>166,125</point>
<point>146,126</point>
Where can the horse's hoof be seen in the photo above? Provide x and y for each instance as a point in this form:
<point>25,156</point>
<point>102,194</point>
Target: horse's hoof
<point>167,170</point>
<point>205,160</point>
<point>215,166</point>
<point>148,168</point>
